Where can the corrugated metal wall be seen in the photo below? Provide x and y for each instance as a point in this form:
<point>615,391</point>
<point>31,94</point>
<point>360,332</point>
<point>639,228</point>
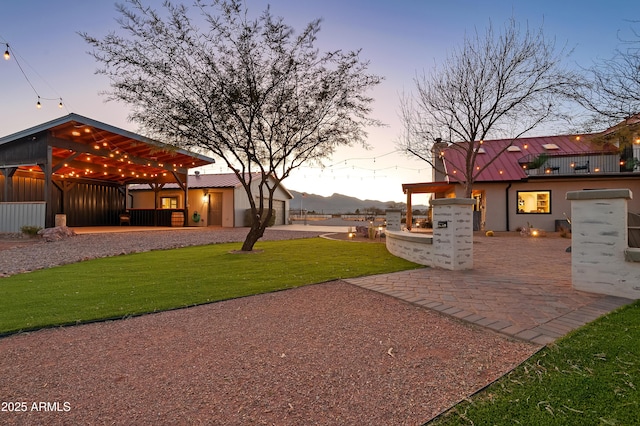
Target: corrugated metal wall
<point>13,216</point>
<point>87,204</point>
<point>93,205</point>
<point>24,189</point>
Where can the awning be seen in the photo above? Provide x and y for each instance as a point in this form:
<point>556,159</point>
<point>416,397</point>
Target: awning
<point>427,187</point>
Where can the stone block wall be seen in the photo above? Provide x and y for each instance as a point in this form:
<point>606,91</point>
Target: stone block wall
<point>450,246</point>
<point>453,233</point>
<point>599,244</point>
<point>417,248</point>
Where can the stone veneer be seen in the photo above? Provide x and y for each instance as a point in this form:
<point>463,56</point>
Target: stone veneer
<point>601,261</point>
<point>450,246</point>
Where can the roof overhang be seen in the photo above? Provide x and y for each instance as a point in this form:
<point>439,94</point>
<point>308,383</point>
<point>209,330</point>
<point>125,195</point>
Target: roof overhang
<point>427,187</point>
<point>89,149</point>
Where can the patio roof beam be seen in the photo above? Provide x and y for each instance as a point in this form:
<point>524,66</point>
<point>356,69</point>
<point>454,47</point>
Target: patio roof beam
<point>107,154</point>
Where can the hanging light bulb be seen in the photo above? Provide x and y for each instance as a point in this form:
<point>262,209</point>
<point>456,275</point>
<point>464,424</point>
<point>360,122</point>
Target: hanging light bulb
<point>38,104</point>
<point>60,104</point>
<point>7,55</point>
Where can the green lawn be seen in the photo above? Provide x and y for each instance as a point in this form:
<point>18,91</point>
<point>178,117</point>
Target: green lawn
<point>120,286</point>
<point>589,377</point>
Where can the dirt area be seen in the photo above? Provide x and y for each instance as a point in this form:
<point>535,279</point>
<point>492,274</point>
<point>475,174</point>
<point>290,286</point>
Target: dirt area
<point>8,241</point>
<point>330,354</point>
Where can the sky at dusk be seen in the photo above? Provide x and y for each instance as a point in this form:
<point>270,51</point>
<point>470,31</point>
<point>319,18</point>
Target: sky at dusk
<point>400,39</point>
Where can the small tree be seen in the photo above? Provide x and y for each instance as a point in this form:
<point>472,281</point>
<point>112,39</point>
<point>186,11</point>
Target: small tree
<point>249,91</point>
<point>498,86</point>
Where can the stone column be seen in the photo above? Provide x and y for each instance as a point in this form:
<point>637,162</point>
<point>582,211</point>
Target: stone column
<point>394,220</point>
<point>598,242</point>
<point>453,233</point>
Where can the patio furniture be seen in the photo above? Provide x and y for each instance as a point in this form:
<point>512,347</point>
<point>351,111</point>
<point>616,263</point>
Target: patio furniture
<point>583,166</point>
<point>125,218</point>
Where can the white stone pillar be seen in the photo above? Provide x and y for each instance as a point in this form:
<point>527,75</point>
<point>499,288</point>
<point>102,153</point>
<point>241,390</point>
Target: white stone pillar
<point>394,220</point>
<point>453,233</point>
<point>598,242</point>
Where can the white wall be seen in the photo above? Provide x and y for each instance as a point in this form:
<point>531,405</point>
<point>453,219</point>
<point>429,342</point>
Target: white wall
<point>242,202</point>
<point>599,243</point>
<point>496,212</point>
<point>234,202</point>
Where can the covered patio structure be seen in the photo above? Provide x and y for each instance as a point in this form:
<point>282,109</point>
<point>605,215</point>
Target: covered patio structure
<point>440,189</point>
<point>81,168</point>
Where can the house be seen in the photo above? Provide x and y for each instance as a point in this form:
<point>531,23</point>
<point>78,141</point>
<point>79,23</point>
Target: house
<point>212,200</point>
<point>79,169</point>
<point>526,184</point>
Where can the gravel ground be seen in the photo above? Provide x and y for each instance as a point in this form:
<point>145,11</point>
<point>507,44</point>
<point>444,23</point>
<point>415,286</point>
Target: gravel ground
<point>330,354</point>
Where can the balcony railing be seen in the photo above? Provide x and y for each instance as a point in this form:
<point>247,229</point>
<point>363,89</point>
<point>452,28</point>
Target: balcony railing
<point>584,163</point>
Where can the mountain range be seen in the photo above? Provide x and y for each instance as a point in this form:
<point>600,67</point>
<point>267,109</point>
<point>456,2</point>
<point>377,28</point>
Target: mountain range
<point>340,204</point>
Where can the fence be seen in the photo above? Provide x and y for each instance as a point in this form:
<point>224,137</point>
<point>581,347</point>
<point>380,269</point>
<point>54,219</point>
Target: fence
<point>15,215</point>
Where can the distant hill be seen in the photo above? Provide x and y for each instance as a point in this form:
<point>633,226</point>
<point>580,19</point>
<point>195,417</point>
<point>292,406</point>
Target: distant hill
<point>340,204</point>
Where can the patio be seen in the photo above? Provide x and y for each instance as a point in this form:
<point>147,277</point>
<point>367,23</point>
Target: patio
<point>519,286</point>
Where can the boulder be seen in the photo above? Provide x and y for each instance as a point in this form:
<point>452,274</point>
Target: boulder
<point>56,234</point>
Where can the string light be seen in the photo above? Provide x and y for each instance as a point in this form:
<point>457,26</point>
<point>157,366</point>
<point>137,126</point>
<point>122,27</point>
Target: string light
<point>7,56</point>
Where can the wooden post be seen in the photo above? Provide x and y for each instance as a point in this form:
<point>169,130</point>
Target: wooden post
<point>8,183</point>
<point>409,212</point>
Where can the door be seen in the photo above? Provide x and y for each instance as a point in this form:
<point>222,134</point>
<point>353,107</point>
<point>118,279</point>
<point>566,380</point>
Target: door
<point>215,209</point>
<point>478,210</point>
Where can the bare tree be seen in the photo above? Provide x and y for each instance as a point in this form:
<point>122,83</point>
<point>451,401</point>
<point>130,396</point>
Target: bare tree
<point>249,91</point>
<point>498,86</point>
<point>613,92</point>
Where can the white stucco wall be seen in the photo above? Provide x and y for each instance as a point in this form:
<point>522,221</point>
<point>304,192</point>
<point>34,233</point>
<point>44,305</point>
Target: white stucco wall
<point>599,241</point>
<point>495,196</point>
<point>242,202</point>
<point>451,245</point>
<point>144,199</point>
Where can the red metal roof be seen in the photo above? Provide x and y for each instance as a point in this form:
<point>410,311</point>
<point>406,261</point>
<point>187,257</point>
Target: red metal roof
<point>506,166</point>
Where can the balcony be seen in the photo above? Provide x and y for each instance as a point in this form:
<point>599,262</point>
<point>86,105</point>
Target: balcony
<point>574,164</point>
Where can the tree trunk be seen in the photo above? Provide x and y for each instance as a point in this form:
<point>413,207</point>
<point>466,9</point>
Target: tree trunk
<point>255,233</point>
<point>258,226</point>
<point>468,189</point>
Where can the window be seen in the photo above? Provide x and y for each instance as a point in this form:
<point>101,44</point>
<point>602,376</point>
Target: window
<point>534,202</point>
<point>169,202</point>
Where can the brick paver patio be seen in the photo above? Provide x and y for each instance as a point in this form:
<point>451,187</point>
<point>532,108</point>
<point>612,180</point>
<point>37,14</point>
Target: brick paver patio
<point>520,286</point>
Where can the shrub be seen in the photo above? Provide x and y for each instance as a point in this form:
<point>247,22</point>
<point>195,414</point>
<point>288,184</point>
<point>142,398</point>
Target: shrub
<point>29,230</point>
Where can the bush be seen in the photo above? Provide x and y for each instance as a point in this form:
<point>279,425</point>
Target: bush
<point>29,230</point>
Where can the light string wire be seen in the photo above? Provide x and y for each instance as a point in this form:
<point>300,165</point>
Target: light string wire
<point>14,55</point>
<point>342,165</point>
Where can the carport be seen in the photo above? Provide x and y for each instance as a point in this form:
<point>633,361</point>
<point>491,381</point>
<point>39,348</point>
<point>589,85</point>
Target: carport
<point>81,168</point>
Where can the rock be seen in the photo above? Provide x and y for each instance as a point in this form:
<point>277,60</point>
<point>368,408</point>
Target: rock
<point>56,234</point>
